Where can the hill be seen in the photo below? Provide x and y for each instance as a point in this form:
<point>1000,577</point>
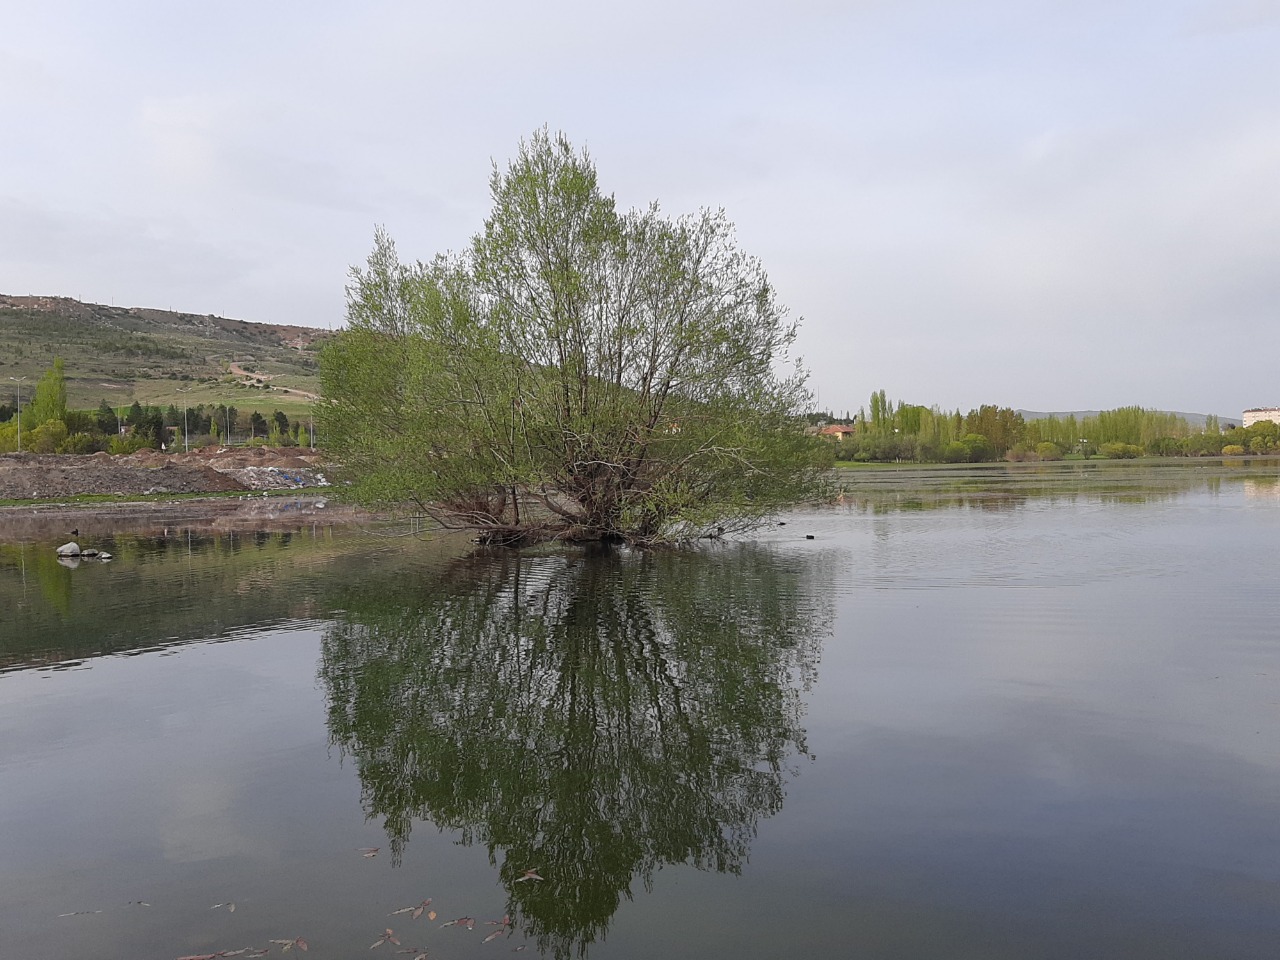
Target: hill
<point>1196,420</point>
<point>158,357</point>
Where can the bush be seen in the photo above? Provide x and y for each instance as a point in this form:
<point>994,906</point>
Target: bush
<point>1120,451</point>
<point>1048,450</point>
<point>78,443</point>
<point>130,443</point>
<point>1233,450</point>
<point>47,437</point>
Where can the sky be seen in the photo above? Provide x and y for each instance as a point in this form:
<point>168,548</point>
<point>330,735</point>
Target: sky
<point>1042,205</point>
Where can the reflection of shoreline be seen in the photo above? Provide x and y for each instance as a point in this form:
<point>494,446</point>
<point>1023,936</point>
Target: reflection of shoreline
<point>54,522</point>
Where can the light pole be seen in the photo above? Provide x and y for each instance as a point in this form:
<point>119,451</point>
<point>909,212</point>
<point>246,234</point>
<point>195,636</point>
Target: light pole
<point>186,446</point>
<point>18,381</point>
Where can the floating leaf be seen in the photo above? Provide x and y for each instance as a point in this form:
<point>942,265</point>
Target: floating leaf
<point>493,936</point>
<point>302,944</point>
<point>431,914</point>
<point>396,913</point>
<point>368,852</point>
<point>200,956</point>
<point>231,908</point>
<point>529,875</point>
<point>79,913</point>
<point>138,903</point>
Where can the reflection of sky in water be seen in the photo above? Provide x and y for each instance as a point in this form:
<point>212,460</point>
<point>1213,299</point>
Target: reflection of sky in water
<point>1044,731</point>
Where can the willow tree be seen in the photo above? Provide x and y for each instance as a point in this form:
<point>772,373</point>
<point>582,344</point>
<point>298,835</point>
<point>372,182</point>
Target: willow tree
<point>577,372</point>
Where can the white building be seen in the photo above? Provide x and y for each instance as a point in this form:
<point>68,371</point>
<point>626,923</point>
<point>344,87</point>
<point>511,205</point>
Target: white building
<point>1259,414</point>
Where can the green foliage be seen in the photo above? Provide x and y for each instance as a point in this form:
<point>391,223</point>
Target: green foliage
<point>1048,450</point>
<point>80,421</point>
<point>1120,451</point>
<point>107,420</point>
<point>1233,450</point>
<point>1000,426</point>
<point>50,401</point>
<point>129,443</point>
<point>47,437</point>
<point>577,373</point>
<point>79,443</point>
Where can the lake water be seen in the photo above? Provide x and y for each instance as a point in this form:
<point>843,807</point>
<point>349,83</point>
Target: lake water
<point>1005,712</point>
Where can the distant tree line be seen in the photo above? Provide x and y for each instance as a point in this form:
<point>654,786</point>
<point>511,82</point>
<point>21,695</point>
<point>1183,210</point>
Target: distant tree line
<point>48,426</point>
<point>904,432</point>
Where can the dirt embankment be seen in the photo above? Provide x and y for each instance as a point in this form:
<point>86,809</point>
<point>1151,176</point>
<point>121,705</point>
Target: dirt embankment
<point>26,476</point>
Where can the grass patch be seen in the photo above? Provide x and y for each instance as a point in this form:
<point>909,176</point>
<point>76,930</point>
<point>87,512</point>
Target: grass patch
<point>88,499</point>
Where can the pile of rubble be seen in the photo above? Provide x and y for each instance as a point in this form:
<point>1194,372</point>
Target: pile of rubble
<point>26,476</point>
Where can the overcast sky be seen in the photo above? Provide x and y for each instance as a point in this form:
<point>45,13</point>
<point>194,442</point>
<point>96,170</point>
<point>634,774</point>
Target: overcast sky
<point>1048,205</point>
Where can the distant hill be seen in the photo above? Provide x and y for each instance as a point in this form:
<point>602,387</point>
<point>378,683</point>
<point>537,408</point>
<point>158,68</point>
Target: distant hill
<point>1195,419</point>
<point>122,354</point>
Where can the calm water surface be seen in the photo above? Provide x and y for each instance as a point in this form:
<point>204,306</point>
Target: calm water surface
<point>985,713</point>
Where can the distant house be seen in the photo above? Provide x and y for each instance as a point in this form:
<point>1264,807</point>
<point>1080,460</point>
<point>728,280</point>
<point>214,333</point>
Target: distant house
<point>1261,415</point>
<point>837,431</point>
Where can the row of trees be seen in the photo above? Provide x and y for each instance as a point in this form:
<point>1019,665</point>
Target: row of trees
<point>909,432</point>
<point>44,424</point>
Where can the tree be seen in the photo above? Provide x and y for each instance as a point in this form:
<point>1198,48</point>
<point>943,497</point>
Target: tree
<point>50,400</point>
<point>106,420</point>
<point>577,373</point>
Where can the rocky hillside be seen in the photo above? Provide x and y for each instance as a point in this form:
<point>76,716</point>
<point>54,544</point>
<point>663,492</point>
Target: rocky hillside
<point>123,354</point>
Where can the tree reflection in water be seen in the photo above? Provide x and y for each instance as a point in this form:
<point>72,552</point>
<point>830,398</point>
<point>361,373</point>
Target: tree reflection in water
<point>591,716</point>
